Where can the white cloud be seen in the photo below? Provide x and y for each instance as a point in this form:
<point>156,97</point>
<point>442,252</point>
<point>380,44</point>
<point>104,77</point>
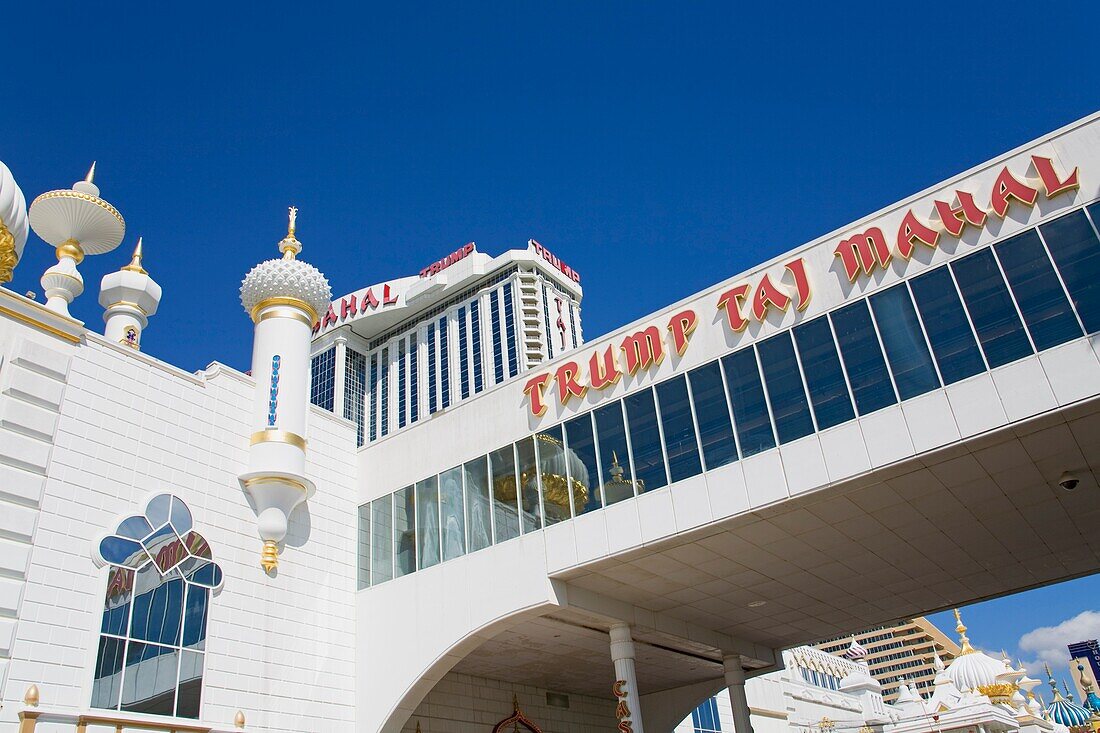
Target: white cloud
<point>1047,644</point>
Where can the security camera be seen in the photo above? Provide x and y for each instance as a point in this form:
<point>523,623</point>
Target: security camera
<point>1068,481</point>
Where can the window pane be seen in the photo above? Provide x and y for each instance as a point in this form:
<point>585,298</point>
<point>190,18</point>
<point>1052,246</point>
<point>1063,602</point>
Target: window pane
<point>401,399</point>
<point>681,445</point>
<point>614,457</point>
<point>150,679</point>
<point>478,504</point>
<point>363,575</point>
<point>510,330</point>
<point>404,532</point>
<point>427,521</point>
<point>107,682</point>
<point>531,512</point>
<point>384,410</point>
<point>750,409</point>
<point>454,521</point>
<point>494,315</point>
<point>158,606</point>
<point>713,415</point>
<point>187,704</point>
<point>414,379</point>
<point>999,329</point>
<point>444,366</point>
<point>431,368</point>
<point>914,373</point>
<point>463,356</point>
<point>381,564</point>
<point>1046,310</point>
<point>645,441</point>
<point>194,617</point>
<point>863,358</point>
<point>116,602</point>
<point>1076,251</point>
<point>824,377</point>
<point>945,321</point>
<point>788,395</point>
<point>557,498</point>
<point>475,342</point>
<point>584,475</point>
<point>502,462</point>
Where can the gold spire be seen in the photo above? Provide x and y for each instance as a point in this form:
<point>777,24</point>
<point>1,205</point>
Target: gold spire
<point>290,246</point>
<point>135,263</point>
<point>90,178</point>
<point>960,629</point>
<point>1052,683</point>
<point>1085,684</point>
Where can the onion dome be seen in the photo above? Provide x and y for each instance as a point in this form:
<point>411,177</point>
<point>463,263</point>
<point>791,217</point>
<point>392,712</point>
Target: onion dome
<point>855,652</point>
<point>286,279</point>
<point>1062,711</point>
<point>13,223</point>
<point>1092,700</point>
<point>973,670</point>
<point>562,472</point>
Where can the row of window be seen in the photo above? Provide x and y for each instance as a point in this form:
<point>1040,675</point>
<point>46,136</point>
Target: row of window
<point>820,679</point>
<point>704,719</point>
<point>978,312</point>
<point>368,379</point>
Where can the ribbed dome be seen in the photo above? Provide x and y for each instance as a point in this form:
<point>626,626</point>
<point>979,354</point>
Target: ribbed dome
<point>974,670</point>
<point>286,278</point>
<point>1067,713</point>
<point>13,209</point>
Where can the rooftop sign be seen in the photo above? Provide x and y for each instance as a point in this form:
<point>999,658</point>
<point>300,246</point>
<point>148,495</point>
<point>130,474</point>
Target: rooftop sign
<point>547,255</point>
<point>440,265</point>
<point>778,289</point>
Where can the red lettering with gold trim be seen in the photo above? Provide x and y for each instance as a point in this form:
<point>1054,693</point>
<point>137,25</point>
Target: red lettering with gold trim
<point>1045,168</point>
<point>913,230</point>
<point>568,383</point>
<point>768,296</point>
<point>603,370</point>
<point>535,391</point>
<point>643,349</point>
<point>731,301</point>
<point>681,327</point>
<point>864,251</point>
<point>1007,187</point>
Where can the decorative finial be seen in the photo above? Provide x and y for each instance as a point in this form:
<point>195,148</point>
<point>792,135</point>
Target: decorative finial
<point>418,727</point>
<point>135,263</point>
<point>515,702</point>
<point>290,246</point>
<point>269,556</point>
<point>30,697</point>
<point>960,629</point>
<point>1085,684</point>
<point>1069,695</point>
<point>238,719</point>
<point>90,178</point>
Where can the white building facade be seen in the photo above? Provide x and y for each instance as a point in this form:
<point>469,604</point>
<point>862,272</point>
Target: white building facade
<point>433,504</point>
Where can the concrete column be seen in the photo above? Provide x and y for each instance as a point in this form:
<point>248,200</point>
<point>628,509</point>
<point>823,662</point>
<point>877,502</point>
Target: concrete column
<point>340,376</point>
<point>628,700</point>
<point>735,681</point>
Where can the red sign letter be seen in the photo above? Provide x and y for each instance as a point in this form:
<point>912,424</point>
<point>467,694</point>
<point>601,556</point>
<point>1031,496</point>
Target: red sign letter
<point>347,307</point>
<point>863,252</point>
<point>767,295</point>
<point>913,230</point>
<point>642,349</point>
<point>731,300</point>
<point>797,268</point>
<point>682,326</point>
<point>1008,187</point>
<point>568,384</point>
<point>607,373</point>
<point>1053,187</point>
<point>955,219</point>
<point>534,390</point>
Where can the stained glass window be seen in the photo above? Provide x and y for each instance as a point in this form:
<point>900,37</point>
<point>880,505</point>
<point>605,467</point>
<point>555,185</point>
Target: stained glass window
<point>152,642</point>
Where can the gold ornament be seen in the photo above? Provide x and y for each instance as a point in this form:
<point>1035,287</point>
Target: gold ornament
<point>269,556</point>
<point>8,259</point>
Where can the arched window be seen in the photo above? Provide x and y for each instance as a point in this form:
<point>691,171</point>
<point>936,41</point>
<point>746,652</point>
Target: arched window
<point>152,640</point>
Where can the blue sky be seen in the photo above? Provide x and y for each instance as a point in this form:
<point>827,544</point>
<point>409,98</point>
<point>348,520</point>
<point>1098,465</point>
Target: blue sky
<point>657,148</point>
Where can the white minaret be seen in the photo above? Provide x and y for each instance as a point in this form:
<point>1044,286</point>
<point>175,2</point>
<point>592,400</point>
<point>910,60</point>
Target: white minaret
<point>283,298</point>
<point>13,224</point>
<point>77,222</point>
<point>129,297</point>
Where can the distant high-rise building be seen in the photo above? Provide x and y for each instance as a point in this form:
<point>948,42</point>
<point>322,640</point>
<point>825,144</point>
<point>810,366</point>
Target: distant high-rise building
<point>902,652</point>
<point>1087,652</point>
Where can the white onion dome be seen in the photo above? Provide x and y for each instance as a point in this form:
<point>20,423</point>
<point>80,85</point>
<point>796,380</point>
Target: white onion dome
<point>78,217</point>
<point>972,670</point>
<point>288,278</point>
<point>13,221</point>
<point>1062,711</point>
